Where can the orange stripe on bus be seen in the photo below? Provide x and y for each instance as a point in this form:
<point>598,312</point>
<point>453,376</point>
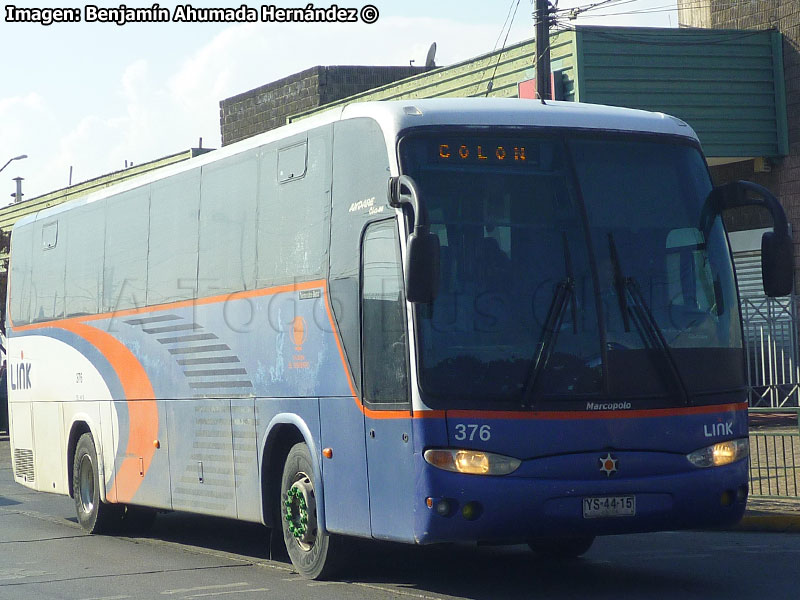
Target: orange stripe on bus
<point>372,414</point>
<point>293,287</point>
<point>71,322</point>
<point>142,409</point>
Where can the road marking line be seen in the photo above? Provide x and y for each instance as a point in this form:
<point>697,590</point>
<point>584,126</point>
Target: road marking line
<point>250,591</point>
<point>204,587</point>
<point>13,573</point>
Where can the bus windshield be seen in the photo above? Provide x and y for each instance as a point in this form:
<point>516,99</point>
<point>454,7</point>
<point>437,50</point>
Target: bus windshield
<point>573,268</point>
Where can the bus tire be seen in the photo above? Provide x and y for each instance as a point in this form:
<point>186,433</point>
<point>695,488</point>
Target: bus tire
<point>561,548</point>
<point>93,515</point>
<point>315,555</point>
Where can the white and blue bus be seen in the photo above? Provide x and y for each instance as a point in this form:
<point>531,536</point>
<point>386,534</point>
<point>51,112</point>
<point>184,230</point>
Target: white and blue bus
<point>423,321</point>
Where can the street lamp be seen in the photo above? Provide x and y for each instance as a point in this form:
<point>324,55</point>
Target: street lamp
<point>20,157</point>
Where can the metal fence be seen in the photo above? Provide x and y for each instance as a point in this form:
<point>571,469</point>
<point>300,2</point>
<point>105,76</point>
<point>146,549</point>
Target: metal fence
<point>772,350</point>
<point>771,346</point>
<point>775,453</point>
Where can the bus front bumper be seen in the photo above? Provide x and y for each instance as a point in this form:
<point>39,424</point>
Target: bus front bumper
<point>458,507</point>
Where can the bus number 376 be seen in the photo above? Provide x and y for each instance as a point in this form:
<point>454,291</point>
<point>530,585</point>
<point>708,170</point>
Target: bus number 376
<point>471,431</point>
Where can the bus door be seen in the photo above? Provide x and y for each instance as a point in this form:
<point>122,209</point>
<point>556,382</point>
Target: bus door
<point>385,384</point>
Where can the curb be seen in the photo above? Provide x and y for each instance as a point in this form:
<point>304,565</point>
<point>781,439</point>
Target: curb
<point>769,523</point>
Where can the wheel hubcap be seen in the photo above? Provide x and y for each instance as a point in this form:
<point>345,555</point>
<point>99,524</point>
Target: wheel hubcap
<point>86,478</point>
<point>301,512</point>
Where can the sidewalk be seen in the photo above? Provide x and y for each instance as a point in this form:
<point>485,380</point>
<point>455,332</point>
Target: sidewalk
<point>779,516</point>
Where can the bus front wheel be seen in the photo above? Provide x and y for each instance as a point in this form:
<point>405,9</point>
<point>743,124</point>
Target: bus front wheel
<point>315,554</point>
<point>93,515</point>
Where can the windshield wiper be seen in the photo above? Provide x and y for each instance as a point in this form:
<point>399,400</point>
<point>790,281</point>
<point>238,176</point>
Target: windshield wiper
<point>619,283</point>
<point>552,324</point>
<point>647,325</point>
<point>564,291</point>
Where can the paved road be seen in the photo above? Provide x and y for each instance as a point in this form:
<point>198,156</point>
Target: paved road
<point>44,554</point>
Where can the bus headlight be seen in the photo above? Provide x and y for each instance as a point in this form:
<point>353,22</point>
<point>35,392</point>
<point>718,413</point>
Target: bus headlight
<point>472,462</point>
<point>720,454</point>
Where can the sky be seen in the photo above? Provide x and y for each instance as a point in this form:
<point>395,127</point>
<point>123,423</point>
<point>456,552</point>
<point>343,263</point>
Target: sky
<point>91,96</point>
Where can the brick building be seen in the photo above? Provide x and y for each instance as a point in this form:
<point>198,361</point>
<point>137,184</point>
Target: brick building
<point>269,106</point>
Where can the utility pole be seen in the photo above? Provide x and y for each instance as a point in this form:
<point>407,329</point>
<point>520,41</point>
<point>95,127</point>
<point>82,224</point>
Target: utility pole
<point>18,195</point>
<point>543,49</point>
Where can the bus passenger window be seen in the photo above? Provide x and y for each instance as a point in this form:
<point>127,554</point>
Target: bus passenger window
<point>292,162</point>
<point>383,317</point>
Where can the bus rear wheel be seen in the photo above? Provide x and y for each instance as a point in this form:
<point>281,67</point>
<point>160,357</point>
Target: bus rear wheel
<point>94,515</point>
<point>561,548</point>
<point>315,554</point>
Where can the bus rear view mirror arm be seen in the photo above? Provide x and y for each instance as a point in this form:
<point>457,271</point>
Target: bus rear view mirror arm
<point>422,246</point>
<point>777,252</point>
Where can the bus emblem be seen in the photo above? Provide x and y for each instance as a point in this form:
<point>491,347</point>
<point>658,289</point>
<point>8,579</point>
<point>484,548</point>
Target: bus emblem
<point>608,464</point>
<point>299,332</point>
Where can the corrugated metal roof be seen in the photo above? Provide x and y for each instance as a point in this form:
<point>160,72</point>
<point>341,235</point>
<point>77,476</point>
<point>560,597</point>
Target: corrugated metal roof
<point>727,84</point>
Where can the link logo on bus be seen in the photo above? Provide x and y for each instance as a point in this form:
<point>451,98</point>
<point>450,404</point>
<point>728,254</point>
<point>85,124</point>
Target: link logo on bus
<point>717,429</point>
<point>20,376</point>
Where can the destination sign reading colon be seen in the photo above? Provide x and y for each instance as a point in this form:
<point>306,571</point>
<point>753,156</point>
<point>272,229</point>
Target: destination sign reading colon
<point>486,152</point>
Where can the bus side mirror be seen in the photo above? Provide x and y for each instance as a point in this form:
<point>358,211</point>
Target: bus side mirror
<point>777,251</point>
<point>422,246</point>
<point>777,264</point>
<point>422,267</point>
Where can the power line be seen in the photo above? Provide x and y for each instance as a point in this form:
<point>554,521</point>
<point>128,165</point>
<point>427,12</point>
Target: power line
<point>502,29</point>
<point>577,10</point>
<point>496,64</point>
<point>697,4</point>
<point>642,11</point>
<point>643,39</point>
